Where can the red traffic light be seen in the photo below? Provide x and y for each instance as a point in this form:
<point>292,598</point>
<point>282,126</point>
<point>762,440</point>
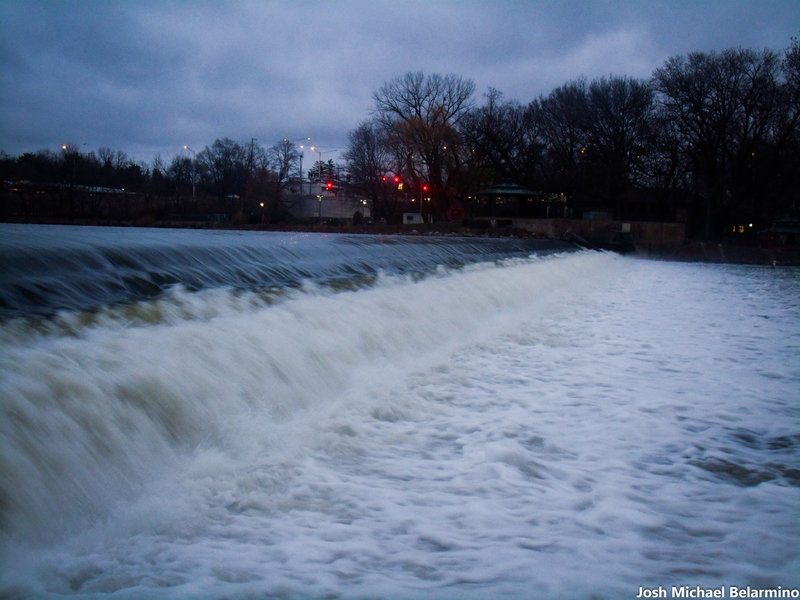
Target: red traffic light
<point>396,179</point>
<point>424,188</point>
<point>329,185</point>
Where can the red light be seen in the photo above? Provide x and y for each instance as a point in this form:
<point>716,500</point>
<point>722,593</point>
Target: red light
<point>424,188</point>
<point>329,185</point>
<point>396,179</point>
<point>384,178</point>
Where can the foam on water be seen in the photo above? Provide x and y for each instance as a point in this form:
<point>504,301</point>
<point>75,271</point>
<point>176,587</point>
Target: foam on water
<point>568,426</point>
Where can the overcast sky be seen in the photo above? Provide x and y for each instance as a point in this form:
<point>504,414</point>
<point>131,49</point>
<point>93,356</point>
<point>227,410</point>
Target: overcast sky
<point>147,77</point>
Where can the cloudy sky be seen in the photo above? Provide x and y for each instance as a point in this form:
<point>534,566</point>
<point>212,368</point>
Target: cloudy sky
<point>148,76</point>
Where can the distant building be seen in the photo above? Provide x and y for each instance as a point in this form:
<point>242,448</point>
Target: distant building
<point>412,218</point>
<point>328,206</point>
<point>509,200</point>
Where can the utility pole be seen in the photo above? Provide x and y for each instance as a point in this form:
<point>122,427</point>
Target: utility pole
<point>319,163</point>
<point>302,151</point>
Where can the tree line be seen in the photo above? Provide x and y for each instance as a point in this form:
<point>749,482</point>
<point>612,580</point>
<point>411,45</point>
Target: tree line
<point>712,138</point>
<point>225,177</point>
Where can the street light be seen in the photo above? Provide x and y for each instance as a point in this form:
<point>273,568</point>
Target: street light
<point>194,160</point>
<point>302,150</point>
<point>74,153</point>
<point>319,163</point>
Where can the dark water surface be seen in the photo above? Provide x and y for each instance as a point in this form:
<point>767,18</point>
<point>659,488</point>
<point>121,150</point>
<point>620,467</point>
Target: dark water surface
<point>47,268</point>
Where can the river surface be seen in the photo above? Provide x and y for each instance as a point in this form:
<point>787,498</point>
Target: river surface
<point>196,414</point>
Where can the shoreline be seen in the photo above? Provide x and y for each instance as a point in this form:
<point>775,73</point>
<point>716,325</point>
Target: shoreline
<point>703,251</point>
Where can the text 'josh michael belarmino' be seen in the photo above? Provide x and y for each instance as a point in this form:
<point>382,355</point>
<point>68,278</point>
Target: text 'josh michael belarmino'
<point>724,591</point>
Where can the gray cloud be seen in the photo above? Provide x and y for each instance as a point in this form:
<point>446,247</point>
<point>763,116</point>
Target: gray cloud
<point>149,76</point>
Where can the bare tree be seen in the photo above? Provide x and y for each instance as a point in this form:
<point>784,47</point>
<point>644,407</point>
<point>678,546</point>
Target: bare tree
<point>420,116</point>
<point>619,124</point>
<point>727,106</point>
<point>223,164</point>
<point>369,160</point>
<point>561,118</point>
<point>179,174</point>
<point>504,141</point>
<point>283,158</point>
<point>663,168</point>
<point>271,177</point>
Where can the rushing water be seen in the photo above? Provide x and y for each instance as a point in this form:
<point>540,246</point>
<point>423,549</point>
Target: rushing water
<point>250,415</point>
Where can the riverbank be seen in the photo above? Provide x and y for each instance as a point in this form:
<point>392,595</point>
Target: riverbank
<point>721,252</point>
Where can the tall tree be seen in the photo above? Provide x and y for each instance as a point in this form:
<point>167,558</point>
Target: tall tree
<point>784,174</point>
<point>561,118</point>
<point>726,106</point>
<point>619,122</point>
<point>180,173</point>
<point>272,175</point>
<point>369,159</point>
<point>283,158</point>
<point>663,168</point>
<point>503,139</point>
<point>223,164</point>
<point>420,116</point>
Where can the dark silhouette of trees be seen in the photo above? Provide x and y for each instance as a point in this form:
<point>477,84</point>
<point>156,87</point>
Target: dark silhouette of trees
<point>618,130</point>
<point>712,138</point>
<point>272,176</point>
<point>227,177</point>
<point>561,117</point>
<point>283,158</point>
<point>785,177</point>
<point>322,171</point>
<point>419,116</point>
<point>504,141</point>
<point>179,176</point>
<point>223,166</point>
<point>369,160</point>
<point>733,114</point>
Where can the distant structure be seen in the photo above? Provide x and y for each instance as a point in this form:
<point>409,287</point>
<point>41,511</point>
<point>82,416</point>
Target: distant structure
<point>330,205</point>
<point>510,200</point>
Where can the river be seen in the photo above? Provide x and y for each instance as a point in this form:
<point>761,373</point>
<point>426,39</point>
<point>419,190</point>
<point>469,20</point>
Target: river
<point>199,414</point>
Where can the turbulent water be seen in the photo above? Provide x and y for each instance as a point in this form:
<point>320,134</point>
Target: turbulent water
<point>46,269</point>
<point>252,415</point>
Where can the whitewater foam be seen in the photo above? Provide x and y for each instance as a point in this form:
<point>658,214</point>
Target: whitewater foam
<point>573,425</point>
